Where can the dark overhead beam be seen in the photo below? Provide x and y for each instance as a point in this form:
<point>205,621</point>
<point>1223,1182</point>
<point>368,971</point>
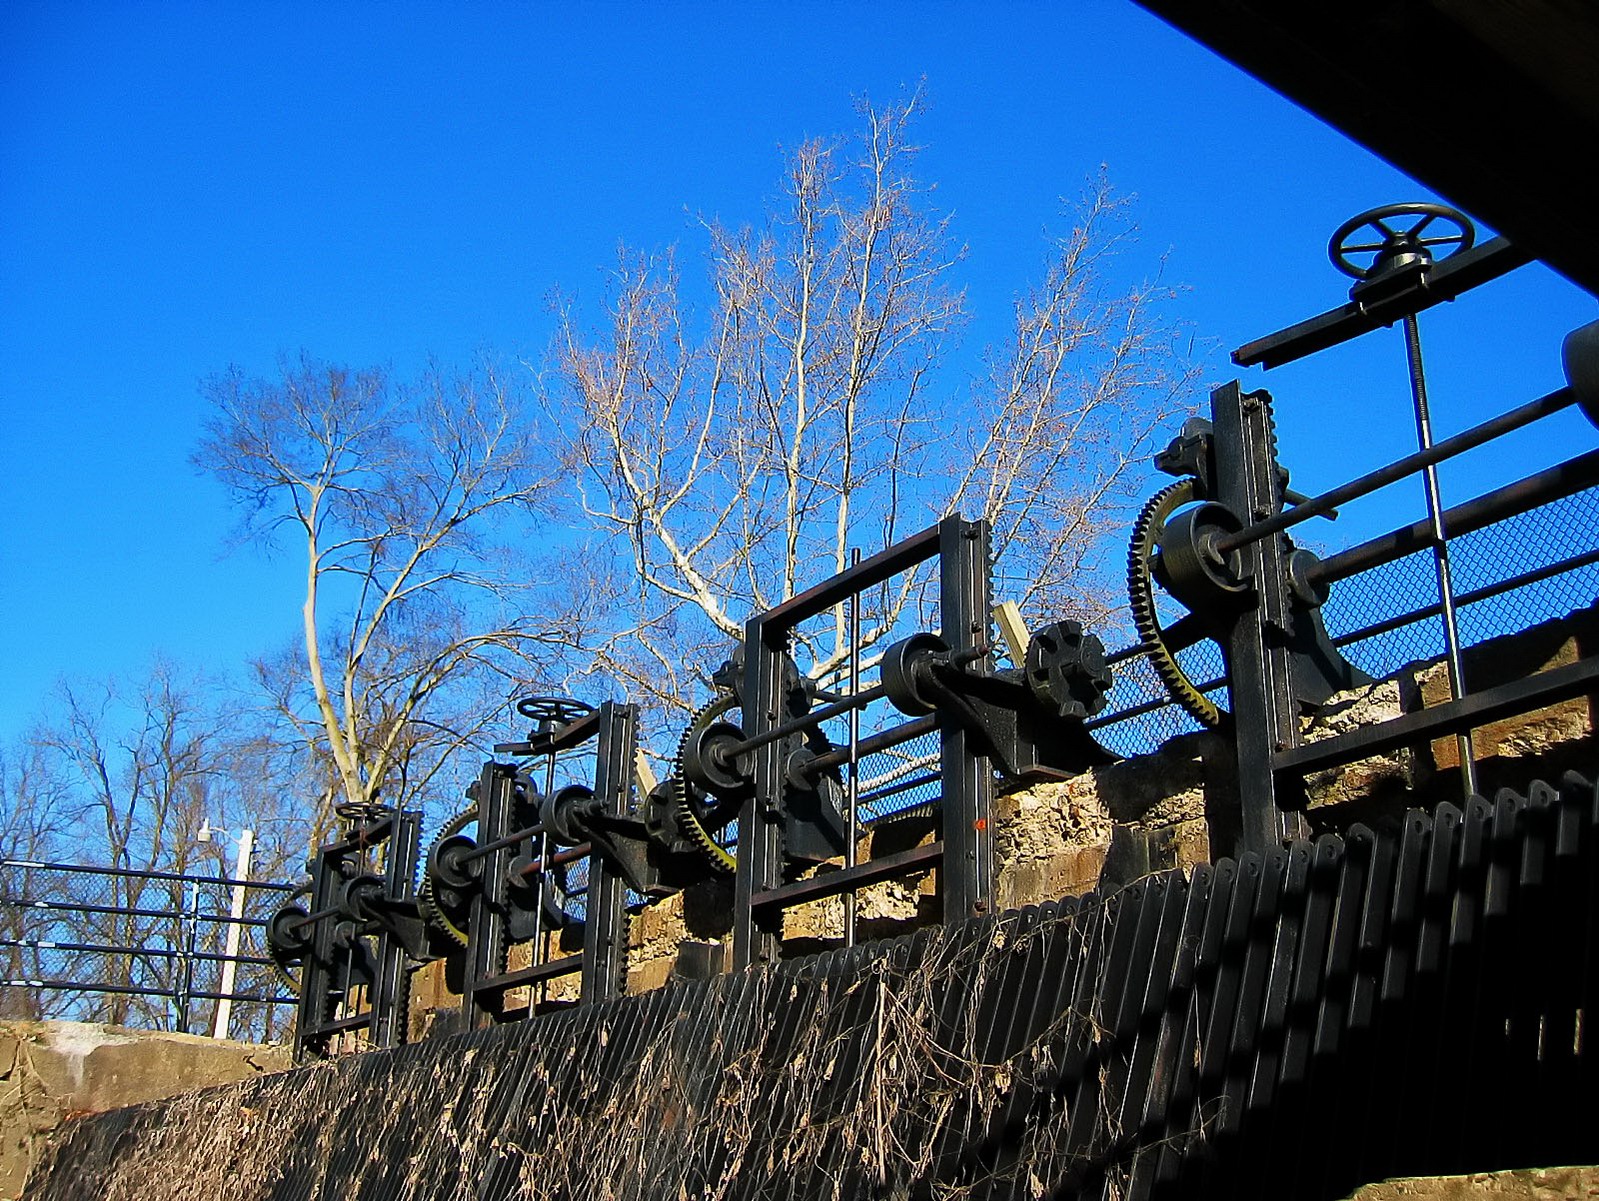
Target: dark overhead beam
<point>1492,104</point>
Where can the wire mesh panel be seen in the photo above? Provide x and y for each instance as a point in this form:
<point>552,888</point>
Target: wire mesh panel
<point>1511,575</point>
<point>1140,715</point>
<point>146,949</point>
<point>1508,576</point>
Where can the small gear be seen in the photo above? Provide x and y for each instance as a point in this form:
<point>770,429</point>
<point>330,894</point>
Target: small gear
<point>1140,589</point>
<point>1065,669</point>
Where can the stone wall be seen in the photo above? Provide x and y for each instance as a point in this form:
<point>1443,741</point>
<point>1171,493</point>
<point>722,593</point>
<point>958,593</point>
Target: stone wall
<point>1528,1184</point>
<point>51,1072</point>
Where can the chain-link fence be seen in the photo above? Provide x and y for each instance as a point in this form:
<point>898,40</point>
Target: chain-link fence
<point>1508,576</point>
<point>1529,568</point>
<point>156,950</point>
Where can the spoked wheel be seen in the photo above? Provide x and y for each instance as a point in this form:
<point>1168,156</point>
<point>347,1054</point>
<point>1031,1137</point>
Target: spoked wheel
<point>1399,232</point>
<point>556,710</point>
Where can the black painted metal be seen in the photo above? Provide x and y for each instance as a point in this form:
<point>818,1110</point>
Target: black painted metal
<point>965,853</point>
<point>1289,1024</point>
<point>1326,504</point>
<point>967,879</point>
<point>391,985</point>
<point>605,925</point>
<point>1265,717</point>
<point>488,911</point>
<point>1447,280</point>
<point>354,977</point>
<point>495,909</point>
<point>757,932</point>
<point>1265,609</point>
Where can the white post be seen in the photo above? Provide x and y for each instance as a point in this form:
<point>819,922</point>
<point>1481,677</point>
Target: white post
<point>241,873</point>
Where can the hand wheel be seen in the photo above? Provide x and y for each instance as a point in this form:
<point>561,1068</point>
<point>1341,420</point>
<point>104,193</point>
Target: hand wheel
<point>556,709</point>
<point>1399,229</point>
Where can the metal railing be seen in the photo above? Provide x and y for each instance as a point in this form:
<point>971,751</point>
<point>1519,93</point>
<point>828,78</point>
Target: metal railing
<point>151,949</point>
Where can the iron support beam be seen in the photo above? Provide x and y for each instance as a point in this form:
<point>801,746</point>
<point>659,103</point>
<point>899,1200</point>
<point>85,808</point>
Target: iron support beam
<point>1469,712</point>
<point>885,867</point>
<point>757,934</point>
<point>1264,715</point>
<point>605,925</point>
<point>966,878</point>
<point>496,789</point>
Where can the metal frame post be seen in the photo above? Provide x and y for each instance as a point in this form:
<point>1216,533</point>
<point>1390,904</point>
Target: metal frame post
<point>757,937</point>
<point>485,950</point>
<point>967,876</point>
<point>390,1019</point>
<point>852,793</point>
<point>1264,716</point>
<point>188,927</point>
<point>316,969</point>
<point>605,925</point>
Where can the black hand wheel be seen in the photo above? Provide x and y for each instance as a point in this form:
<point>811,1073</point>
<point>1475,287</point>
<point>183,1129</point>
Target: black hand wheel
<point>1419,229</point>
<point>362,813</point>
<point>558,710</point>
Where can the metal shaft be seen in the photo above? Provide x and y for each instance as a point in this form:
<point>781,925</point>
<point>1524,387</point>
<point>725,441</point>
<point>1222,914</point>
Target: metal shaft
<point>499,844</point>
<point>315,916</point>
<point>854,798</point>
<point>1440,546</point>
<point>538,900</point>
<point>1326,504</point>
<point>798,725</point>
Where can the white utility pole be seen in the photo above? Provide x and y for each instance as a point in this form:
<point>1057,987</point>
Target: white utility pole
<point>241,873</point>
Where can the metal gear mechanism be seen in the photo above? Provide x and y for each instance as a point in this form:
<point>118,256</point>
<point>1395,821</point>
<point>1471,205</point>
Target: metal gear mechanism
<point>1065,669</point>
<point>289,937</point>
<point>698,814</point>
<point>443,906</point>
<point>1141,597</point>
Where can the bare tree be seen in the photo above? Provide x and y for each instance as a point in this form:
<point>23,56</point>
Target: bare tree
<point>403,503</point>
<point>125,777</point>
<point>34,809</point>
<point>736,453</point>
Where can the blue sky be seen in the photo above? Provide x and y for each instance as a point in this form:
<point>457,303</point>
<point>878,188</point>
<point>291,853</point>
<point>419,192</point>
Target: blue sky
<point>183,187</point>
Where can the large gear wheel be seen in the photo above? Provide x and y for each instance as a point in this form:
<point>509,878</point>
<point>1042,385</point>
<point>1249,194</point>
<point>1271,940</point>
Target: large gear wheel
<point>699,816</point>
<point>438,912</point>
<point>285,961</point>
<point>1141,596</point>
<point>689,823</point>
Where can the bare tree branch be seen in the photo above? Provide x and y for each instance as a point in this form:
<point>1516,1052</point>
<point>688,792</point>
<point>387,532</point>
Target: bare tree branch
<point>736,454</point>
<point>405,500</point>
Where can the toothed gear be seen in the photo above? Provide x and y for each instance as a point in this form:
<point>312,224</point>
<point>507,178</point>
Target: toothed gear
<point>689,824</point>
<point>1141,595</point>
<point>283,959</point>
<point>432,908</point>
<point>696,816</point>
